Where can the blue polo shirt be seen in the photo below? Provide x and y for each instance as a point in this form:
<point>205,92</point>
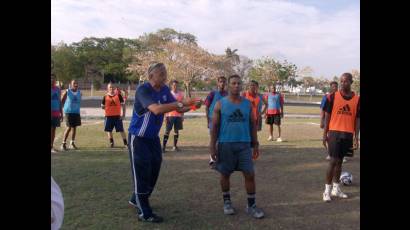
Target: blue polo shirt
<point>144,123</point>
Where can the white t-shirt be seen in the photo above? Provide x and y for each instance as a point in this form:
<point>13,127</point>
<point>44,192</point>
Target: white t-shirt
<point>57,206</point>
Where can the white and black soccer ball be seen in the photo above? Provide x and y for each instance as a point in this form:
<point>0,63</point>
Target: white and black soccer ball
<point>346,178</point>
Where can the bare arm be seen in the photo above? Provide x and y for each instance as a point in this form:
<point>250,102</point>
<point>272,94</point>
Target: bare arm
<point>216,117</point>
<point>254,135</point>
<point>326,128</point>
<point>281,106</point>
<point>356,133</point>
<point>123,110</point>
<point>322,119</point>
<point>103,103</point>
<point>265,105</point>
<point>64,98</point>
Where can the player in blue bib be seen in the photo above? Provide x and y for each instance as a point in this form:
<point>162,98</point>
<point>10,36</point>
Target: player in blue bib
<point>152,100</point>
<point>72,103</point>
<point>234,128</point>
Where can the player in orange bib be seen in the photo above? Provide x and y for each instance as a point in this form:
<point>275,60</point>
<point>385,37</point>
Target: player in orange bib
<point>174,119</point>
<point>341,132</point>
<point>112,104</point>
<point>257,101</point>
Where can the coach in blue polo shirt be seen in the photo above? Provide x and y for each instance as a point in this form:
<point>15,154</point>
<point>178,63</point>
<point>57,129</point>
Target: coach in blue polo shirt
<point>152,100</point>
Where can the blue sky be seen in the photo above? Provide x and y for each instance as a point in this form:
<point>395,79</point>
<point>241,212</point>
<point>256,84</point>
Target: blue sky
<point>324,35</point>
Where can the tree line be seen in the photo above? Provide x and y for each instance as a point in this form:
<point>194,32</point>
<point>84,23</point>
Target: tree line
<point>126,60</point>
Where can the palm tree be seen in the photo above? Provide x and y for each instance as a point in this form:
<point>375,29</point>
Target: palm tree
<point>231,59</point>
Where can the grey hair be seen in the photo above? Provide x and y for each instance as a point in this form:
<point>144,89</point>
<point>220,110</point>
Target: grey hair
<point>154,66</point>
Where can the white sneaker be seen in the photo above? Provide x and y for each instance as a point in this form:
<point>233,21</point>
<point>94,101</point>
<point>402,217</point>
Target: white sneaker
<point>255,212</point>
<point>279,139</point>
<point>344,160</point>
<point>328,158</point>
<point>228,209</point>
<point>338,193</point>
<point>270,138</point>
<point>326,197</point>
<point>54,151</point>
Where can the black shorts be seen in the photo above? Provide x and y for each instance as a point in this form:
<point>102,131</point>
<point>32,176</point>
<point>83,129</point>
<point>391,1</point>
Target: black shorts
<point>111,122</point>
<point>340,144</point>
<point>175,122</point>
<point>273,119</point>
<point>72,119</point>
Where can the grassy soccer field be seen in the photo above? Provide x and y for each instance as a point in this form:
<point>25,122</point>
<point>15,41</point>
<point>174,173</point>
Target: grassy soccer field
<point>96,183</point>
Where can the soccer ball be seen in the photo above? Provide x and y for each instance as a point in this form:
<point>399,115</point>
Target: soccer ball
<point>346,178</point>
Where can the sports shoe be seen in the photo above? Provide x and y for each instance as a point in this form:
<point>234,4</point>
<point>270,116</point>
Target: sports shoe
<point>279,139</point>
<point>163,150</point>
<point>73,146</point>
<point>134,205</point>
<point>63,147</point>
<point>255,212</point>
<point>326,197</point>
<point>112,145</point>
<point>344,160</point>
<point>212,163</point>
<point>228,209</point>
<point>175,148</point>
<point>270,138</point>
<point>153,218</point>
<point>338,193</point>
<point>328,158</point>
<point>54,150</point>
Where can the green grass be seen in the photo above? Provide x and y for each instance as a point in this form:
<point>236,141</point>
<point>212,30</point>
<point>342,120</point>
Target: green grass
<point>96,183</point>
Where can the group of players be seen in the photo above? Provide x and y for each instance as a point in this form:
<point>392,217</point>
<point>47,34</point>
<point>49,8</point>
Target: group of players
<point>233,119</point>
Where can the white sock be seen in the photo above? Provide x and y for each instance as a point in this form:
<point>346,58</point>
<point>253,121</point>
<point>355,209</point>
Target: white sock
<point>327,188</point>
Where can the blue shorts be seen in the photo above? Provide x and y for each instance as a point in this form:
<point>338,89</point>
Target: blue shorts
<point>234,156</point>
<point>111,122</point>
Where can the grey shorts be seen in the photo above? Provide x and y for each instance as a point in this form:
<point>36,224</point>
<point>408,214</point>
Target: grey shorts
<point>234,156</point>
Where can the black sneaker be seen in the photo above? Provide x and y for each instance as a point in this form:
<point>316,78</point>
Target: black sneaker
<point>153,218</point>
<point>73,146</point>
<point>63,147</point>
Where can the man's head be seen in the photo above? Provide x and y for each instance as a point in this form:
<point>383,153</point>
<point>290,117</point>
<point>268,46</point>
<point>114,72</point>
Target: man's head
<point>221,83</point>
<point>253,86</point>
<point>235,84</point>
<point>346,81</point>
<point>53,80</point>
<point>110,88</point>
<point>174,85</point>
<point>74,85</point>
<point>272,88</point>
<point>157,74</point>
<point>333,86</point>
